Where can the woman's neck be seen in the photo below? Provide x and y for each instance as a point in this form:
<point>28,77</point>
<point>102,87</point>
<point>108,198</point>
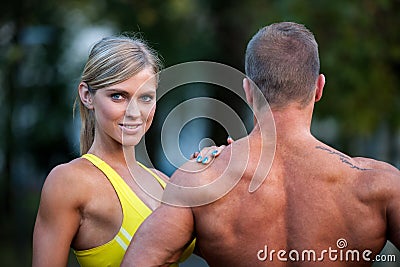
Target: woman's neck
<point>115,152</point>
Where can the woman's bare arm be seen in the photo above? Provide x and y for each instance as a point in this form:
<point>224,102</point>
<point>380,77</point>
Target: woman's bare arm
<point>57,220</point>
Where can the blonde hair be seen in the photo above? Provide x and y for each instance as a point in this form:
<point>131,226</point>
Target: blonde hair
<point>112,60</point>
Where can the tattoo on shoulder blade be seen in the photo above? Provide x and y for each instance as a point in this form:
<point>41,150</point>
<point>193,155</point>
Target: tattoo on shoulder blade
<point>343,158</point>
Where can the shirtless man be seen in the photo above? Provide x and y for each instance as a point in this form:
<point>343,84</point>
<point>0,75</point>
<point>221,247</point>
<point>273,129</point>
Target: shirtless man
<point>317,206</point>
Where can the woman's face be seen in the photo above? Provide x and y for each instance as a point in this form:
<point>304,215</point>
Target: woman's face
<point>125,111</point>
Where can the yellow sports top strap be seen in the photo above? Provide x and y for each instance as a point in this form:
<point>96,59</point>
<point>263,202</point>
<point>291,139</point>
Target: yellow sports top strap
<point>122,189</point>
<point>98,162</point>
<point>161,181</point>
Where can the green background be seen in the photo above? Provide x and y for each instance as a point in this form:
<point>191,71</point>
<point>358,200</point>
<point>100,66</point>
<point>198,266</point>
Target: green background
<point>44,45</point>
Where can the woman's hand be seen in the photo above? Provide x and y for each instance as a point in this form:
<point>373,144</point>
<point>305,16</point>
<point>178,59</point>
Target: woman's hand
<point>207,153</point>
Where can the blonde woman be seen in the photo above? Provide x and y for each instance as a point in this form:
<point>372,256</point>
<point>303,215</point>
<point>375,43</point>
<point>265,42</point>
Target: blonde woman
<point>92,204</point>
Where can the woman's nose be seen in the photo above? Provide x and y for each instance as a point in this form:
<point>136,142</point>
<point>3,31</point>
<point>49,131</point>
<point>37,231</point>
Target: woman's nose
<point>132,110</point>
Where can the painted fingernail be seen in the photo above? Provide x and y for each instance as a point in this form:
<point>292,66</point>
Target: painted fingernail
<point>199,158</point>
<point>205,160</point>
<point>214,152</point>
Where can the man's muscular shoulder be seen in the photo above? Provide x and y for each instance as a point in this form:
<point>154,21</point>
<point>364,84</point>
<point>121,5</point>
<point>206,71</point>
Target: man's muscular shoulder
<point>379,180</point>
<point>373,164</point>
<point>195,184</point>
<point>384,181</point>
<point>193,173</point>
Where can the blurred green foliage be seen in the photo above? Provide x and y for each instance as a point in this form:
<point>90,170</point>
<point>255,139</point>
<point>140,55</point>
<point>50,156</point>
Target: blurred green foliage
<point>39,71</point>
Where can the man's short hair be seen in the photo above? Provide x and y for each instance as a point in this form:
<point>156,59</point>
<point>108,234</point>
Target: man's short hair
<point>282,60</point>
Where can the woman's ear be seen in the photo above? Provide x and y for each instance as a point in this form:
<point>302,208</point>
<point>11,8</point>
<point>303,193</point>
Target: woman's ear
<point>319,87</point>
<point>85,95</point>
<point>248,91</point>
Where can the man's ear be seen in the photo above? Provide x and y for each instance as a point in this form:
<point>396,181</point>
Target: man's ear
<point>248,91</point>
<point>319,87</point>
<point>85,95</point>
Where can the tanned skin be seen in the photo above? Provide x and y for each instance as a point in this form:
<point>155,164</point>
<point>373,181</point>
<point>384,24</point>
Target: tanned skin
<point>313,196</point>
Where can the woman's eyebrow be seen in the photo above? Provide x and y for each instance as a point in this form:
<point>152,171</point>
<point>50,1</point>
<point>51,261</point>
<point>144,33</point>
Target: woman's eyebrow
<point>141,91</point>
<point>115,90</point>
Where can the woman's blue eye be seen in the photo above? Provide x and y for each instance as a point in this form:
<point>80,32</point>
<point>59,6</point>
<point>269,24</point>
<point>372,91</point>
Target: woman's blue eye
<point>116,96</point>
<point>147,98</point>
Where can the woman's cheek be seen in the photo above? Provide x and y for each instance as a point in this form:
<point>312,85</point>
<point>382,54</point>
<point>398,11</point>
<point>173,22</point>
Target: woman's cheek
<point>150,117</point>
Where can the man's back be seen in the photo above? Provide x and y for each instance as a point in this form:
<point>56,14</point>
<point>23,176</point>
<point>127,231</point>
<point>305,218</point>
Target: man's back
<point>315,205</point>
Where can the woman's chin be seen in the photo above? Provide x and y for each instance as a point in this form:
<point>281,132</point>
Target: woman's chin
<point>130,143</point>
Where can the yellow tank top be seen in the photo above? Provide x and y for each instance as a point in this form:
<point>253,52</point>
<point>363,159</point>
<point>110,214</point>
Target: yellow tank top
<point>134,213</point>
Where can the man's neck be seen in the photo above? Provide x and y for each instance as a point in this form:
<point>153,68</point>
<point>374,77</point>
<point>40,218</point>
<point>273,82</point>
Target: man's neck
<point>291,122</point>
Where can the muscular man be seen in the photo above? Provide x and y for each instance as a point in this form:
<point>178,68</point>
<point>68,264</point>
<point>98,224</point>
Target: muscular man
<point>316,205</point>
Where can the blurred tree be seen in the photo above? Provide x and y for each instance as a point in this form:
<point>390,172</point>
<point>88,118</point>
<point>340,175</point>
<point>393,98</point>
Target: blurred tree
<point>34,128</point>
<point>360,54</point>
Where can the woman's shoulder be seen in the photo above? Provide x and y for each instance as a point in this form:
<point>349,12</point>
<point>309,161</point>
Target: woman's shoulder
<point>160,174</point>
<point>68,179</point>
<point>70,171</point>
